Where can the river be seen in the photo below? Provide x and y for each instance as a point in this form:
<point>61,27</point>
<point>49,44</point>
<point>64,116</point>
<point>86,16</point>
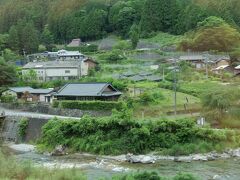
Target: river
<point>95,167</point>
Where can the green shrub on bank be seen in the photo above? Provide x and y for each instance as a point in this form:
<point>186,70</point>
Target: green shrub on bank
<point>119,134</point>
<point>7,99</point>
<point>22,127</point>
<point>154,176</point>
<point>90,105</point>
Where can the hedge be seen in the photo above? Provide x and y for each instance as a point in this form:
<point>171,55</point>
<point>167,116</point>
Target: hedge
<point>89,105</point>
<point>90,48</point>
<point>7,99</point>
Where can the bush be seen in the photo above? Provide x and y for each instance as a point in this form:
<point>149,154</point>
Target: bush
<point>150,97</point>
<point>90,105</point>
<point>55,104</point>
<point>154,176</point>
<point>22,127</point>
<point>119,134</point>
<point>114,56</point>
<point>8,99</point>
<point>146,98</point>
<point>184,176</point>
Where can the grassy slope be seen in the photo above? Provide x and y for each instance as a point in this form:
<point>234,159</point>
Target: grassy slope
<point>164,39</point>
<point>165,105</point>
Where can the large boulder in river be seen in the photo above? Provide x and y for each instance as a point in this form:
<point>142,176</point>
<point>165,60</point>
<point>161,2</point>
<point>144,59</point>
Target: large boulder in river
<point>186,159</point>
<point>58,151</point>
<point>140,159</point>
<point>199,157</point>
<point>234,153</point>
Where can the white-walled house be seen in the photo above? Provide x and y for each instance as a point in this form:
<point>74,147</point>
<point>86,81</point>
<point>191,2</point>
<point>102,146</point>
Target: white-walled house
<point>55,70</point>
<point>65,55</point>
<point>59,70</point>
<point>61,55</point>
<point>29,94</point>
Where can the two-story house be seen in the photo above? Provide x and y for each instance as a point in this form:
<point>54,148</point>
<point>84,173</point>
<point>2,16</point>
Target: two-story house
<point>59,70</point>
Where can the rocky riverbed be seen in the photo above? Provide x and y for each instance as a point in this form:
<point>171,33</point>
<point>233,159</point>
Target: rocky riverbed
<point>223,166</point>
<point>144,159</point>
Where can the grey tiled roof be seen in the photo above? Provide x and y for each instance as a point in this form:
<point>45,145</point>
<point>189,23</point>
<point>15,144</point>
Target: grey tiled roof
<point>154,78</point>
<point>40,91</point>
<point>129,73</point>
<point>30,90</point>
<point>86,89</point>
<point>52,64</point>
<point>145,73</point>
<point>137,78</point>
<point>20,89</point>
<point>192,57</point>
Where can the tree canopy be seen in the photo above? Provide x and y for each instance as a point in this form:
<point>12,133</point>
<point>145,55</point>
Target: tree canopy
<point>212,34</point>
<point>8,74</point>
<point>59,21</point>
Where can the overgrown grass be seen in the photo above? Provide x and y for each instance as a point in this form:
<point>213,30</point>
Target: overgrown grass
<point>11,169</point>
<point>193,88</point>
<point>154,176</point>
<point>165,39</point>
<point>119,134</point>
<point>186,104</point>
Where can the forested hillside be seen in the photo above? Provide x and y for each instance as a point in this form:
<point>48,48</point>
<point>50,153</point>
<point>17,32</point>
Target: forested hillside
<point>27,23</point>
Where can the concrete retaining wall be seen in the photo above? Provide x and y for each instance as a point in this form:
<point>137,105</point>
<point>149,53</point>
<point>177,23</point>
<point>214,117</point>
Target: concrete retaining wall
<point>47,109</point>
<point>33,131</point>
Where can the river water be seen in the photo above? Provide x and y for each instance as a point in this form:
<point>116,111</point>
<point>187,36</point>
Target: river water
<point>95,167</point>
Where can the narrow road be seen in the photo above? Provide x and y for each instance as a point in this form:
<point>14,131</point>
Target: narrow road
<point>17,113</point>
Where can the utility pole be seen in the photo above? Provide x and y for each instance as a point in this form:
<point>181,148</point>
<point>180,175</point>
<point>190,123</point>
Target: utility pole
<point>206,64</point>
<point>175,86</point>
<point>163,74</point>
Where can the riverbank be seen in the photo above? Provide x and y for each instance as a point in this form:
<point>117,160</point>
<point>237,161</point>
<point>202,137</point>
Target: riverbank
<point>108,166</point>
<point>144,159</point>
<point>121,134</point>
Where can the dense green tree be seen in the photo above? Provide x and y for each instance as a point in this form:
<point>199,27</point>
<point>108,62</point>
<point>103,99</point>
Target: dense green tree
<point>216,107</point>
<point>189,17</point>
<point>68,19</point>
<point>159,15</point>
<point>94,24</point>
<point>126,18</point>
<point>30,39</point>
<point>9,55</point>
<point>8,74</point>
<point>13,40</point>
<point>3,41</point>
<point>212,34</point>
<point>47,38</point>
<point>134,35</point>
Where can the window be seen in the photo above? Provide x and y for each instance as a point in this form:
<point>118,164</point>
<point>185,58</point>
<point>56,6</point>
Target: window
<point>67,71</point>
